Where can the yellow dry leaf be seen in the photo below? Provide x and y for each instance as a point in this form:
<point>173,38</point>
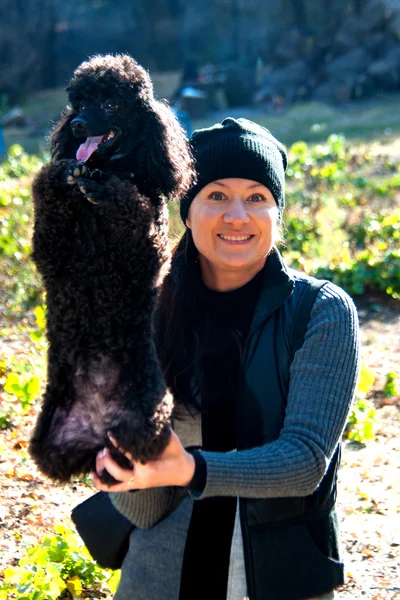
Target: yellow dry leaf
<point>366,380</point>
<point>74,586</point>
<point>113,582</point>
<point>12,574</point>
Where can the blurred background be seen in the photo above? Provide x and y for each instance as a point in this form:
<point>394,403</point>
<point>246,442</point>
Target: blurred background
<point>211,58</point>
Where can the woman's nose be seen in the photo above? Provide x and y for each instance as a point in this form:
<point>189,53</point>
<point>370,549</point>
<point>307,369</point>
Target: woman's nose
<point>237,211</point>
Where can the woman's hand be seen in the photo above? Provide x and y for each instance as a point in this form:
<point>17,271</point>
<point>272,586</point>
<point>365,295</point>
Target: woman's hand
<point>173,467</point>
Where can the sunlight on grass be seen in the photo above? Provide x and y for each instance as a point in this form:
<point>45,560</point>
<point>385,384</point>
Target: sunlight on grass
<point>315,121</point>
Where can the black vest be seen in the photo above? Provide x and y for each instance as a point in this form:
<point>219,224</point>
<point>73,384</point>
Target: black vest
<point>290,544</point>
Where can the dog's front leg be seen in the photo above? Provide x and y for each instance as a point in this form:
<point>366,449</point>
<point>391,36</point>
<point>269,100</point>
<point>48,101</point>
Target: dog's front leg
<point>57,210</point>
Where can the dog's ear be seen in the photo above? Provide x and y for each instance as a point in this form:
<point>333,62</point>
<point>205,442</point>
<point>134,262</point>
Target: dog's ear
<point>166,161</point>
<point>62,142</point>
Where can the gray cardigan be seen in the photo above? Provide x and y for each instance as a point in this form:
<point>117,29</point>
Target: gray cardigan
<point>322,383</point>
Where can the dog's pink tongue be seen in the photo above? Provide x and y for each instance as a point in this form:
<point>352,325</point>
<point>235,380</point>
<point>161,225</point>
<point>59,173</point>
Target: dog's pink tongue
<point>86,150</point>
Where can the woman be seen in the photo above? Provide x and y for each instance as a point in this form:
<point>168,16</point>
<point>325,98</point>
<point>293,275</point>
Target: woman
<point>247,510</point>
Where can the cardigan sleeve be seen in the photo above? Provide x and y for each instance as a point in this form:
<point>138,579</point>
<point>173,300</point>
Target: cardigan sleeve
<point>323,378</point>
<point>145,508</point>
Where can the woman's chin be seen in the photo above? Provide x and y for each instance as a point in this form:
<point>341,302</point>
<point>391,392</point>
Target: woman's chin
<point>238,262</point>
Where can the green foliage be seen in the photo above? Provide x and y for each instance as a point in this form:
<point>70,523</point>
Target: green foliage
<point>360,425</point>
<point>390,389</point>
<point>21,384</point>
<point>367,271</point>
<point>5,419</point>
<point>20,164</point>
<point>25,391</point>
<point>18,278</point>
<point>38,335</point>
<point>59,562</point>
<point>343,217</point>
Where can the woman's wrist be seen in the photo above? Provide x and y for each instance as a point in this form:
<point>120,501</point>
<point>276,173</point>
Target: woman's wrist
<point>188,469</point>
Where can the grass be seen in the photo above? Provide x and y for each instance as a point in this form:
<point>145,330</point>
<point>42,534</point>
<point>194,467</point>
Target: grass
<point>313,121</point>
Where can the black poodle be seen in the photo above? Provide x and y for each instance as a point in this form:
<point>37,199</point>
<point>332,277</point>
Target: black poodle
<point>100,244</point>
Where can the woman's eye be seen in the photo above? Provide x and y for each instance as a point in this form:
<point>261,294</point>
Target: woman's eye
<point>217,196</point>
<point>110,106</point>
<point>257,198</point>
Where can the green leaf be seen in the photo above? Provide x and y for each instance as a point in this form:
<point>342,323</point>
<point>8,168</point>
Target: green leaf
<point>389,389</point>
<point>57,554</point>
<point>368,430</point>
<point>36,336</point>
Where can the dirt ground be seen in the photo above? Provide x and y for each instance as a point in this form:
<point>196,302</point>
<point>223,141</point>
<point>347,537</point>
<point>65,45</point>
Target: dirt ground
<point>368,498</point>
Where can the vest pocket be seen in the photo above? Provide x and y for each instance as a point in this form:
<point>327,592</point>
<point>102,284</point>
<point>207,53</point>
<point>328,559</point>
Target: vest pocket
<point>288,565</point>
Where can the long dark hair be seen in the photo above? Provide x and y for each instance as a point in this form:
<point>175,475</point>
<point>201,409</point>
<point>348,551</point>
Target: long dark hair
<point>175,318</point>
<point>186,332</point>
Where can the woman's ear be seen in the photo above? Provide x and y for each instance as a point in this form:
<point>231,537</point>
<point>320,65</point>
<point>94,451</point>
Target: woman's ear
<point>188,223</point>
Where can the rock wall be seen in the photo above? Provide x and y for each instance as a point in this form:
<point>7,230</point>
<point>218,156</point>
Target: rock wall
<point>361,57</point>
<point>335,50</point>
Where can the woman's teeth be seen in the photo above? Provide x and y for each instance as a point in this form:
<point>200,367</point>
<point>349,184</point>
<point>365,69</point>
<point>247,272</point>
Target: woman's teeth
<point>235,238</point>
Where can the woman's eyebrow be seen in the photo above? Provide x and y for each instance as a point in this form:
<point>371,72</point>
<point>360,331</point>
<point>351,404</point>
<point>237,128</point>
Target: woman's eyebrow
<point>218,183</point>
<point>254,185</point>
<point>250,187</point>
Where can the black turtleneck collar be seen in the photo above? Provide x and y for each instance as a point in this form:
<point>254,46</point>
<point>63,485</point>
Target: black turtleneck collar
<point>234,309</point>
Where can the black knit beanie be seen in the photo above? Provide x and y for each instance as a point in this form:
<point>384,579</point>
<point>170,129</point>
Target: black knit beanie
<point>237,148</point>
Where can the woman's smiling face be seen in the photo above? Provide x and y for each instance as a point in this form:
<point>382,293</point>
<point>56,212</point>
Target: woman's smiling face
<point>234,224</point>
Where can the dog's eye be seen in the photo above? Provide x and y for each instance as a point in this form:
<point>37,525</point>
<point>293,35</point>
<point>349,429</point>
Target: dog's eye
<point>109,105</point>
<point>81,107</point>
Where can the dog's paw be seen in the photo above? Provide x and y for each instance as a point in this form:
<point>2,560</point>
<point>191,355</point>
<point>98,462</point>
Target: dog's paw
<point>76,172</point>
<point>90,183</point>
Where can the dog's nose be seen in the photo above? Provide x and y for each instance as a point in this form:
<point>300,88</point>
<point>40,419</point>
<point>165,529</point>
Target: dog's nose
<point>78,126</point>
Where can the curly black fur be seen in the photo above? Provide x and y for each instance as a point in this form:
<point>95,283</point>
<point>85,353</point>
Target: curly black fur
<point>100,244</point>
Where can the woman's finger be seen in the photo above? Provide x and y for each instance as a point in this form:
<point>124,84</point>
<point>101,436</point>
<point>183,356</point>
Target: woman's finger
<point>115,444</point>
<point>114,469</point>
<point>99,462</point>
<point>116,487</point>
